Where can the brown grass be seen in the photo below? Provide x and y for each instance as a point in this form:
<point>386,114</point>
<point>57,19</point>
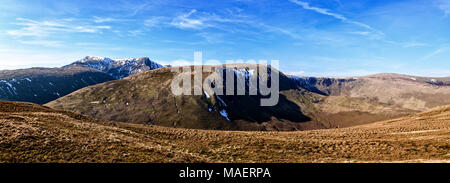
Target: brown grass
<point>57,136</point>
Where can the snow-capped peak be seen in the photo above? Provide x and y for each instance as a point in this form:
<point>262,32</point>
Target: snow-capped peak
<point>91,58</point>
<point>118,67</point>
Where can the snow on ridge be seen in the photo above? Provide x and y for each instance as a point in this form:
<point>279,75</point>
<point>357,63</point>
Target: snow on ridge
<point>100,63</point>
<point>118,67</point>
<point>91,58</point>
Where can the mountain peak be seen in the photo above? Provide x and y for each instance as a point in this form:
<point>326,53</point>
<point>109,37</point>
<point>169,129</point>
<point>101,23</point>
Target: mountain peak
<point>118,67</point>
<point>91,58</point>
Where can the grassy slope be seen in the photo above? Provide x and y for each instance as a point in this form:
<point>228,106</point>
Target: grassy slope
<point>45,135</point>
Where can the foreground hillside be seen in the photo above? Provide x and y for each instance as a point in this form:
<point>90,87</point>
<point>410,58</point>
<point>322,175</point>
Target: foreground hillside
<point>31,133</point>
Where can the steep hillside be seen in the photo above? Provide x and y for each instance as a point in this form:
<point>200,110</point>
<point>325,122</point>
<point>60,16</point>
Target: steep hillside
<point>41,85</point>
<point>408,92</point>
<point>31,133</point>
<point>118,68</point>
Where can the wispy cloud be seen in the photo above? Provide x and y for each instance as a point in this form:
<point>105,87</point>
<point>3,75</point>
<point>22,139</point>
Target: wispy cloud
<point>340,17</point>
<point>413,44</point>
<point>97,19</point>
<point>104,19</point>
<point>185,22</point>
<point>362,33</point>
<point>45,43</point>
<point>279,30</point>
<point>434,53</point>
<point>156,21</point>
<point>444,5</point>
<point>34,28</point>
<point>201,20</point>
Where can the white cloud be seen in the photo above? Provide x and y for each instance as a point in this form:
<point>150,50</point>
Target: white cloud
<point>155,21</point>
<point>45,43</point>
<point>270,28</point>
<point>413,44</point>
<point>444,5</point>
<point>184,22</point>
<point>362,33</point>
<point>306,6</point>
<point>102,20</point>
<point>201,20</point>
<point>135,32</point>
<point>324,11</point>
<point>33,28</point>
<point>434,53</point>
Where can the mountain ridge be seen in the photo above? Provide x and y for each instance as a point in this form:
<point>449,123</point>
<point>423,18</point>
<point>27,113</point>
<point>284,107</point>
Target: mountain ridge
<point>118,68</point>
<point>41,85</point>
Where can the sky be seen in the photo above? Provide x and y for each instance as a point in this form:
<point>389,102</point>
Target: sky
<point>308,37</point>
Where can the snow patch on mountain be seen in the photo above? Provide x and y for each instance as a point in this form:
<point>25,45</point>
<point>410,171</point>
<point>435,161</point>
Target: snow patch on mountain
<point>224,113</point>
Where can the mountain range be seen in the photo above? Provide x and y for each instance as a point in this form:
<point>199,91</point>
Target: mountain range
<point>137,90</point>
<point>117,68</point>
<point>42,85</point>
<point>97,114</point>
<point>305,102</point>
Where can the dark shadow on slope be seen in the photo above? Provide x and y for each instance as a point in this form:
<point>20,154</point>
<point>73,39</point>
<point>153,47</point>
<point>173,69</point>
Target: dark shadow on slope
<point>248,108</point>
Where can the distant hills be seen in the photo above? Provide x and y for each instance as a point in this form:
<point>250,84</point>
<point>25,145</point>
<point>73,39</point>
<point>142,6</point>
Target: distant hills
<point>42,85</point>
<point>305,102</point>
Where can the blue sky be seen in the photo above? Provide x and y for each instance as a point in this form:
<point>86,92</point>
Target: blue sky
<point>308,37</point>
